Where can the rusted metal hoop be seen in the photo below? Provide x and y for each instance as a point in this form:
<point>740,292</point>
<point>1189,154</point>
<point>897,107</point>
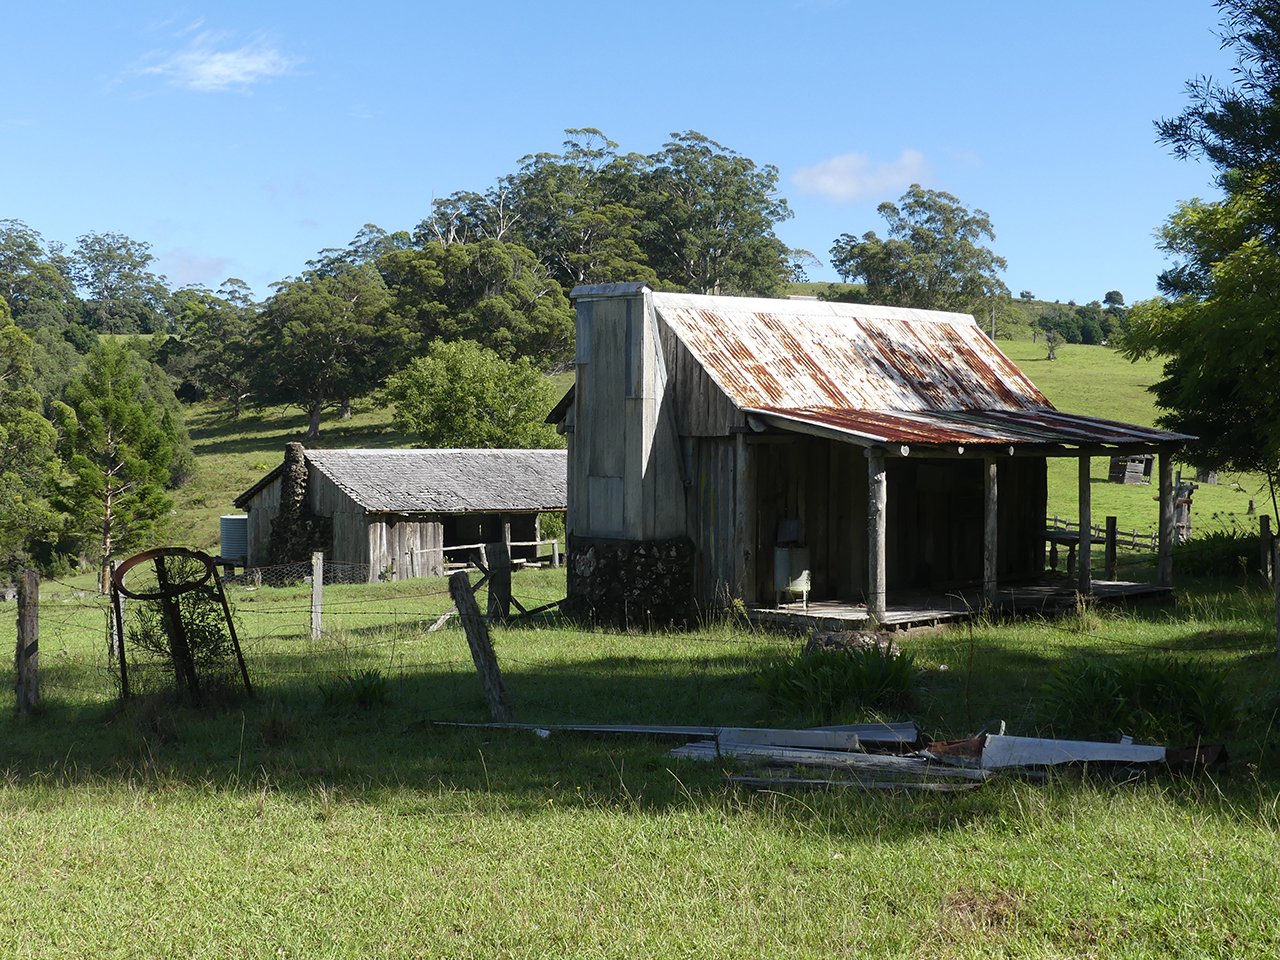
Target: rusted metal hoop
<point>173,591</point>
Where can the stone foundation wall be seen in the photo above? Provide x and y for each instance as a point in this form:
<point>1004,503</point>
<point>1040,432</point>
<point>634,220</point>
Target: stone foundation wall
<point>630,583</point>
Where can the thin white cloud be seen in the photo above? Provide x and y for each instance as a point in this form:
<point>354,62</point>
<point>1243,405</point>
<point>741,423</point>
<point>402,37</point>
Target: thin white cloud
<point>184,267</point>
<point>211,64</point>
<point>855,176</point>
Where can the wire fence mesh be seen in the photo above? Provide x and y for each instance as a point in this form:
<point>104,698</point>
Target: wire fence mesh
<point>387,626</point>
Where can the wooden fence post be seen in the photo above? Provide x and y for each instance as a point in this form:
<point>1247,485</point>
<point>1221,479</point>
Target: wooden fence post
<point>495,692</point>
<point>1275,561</point>
<point>498,556</point>
<point>1164,551</point>
<point>114,609</point>
<point>317,592</point>
<point>26,657</point>
<point>1267,543</point>
<point>1109,551</point>
<point>1084,553</point>
<point>555,554</point>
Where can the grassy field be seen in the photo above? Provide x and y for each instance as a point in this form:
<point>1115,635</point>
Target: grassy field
<point>1099,382</point>
<point>282,827</point>
<point>290,825</point>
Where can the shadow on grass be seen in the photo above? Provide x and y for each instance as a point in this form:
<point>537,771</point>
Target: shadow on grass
<point>270,431</point>
<point>290,738</point>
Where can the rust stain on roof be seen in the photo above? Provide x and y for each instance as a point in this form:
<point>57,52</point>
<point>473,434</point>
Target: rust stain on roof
<point>851,356</point>
<point>1042,427</point>
<point>879,374</point>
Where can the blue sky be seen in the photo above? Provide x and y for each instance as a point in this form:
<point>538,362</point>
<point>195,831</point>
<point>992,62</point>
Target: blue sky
<point>238,138</point>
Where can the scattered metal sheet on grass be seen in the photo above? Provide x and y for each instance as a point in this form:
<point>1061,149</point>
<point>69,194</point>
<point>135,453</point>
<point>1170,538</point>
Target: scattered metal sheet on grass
<point>999,752</point>
<point>845,738</point>
<point>708,750</point>
<point>650,730</point>
<point>904,734</point>
<point>818,783</point>
<point>768,737</point>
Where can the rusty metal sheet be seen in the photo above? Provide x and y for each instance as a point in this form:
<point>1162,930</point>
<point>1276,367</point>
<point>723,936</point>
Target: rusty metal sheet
<point>877,374</point>
<point>976,428</point>
<point>814,354</point>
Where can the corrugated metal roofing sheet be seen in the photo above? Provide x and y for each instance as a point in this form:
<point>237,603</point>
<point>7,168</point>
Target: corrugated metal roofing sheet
<point>883,374</point>
<point>811,354</point>
<point>1039,427</point>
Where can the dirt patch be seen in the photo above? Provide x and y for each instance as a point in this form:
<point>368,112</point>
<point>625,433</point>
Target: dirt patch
<point>973,911</point>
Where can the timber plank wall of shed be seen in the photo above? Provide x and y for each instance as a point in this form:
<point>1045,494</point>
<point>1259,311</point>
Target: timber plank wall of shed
<point>701,407</point>
<point>350,525</point>
<point>402,547</point>
<point>824,486</point>
<point>262,509</point>
<point>935,521</point>
<point>934,525</point>
<point>625,469</point>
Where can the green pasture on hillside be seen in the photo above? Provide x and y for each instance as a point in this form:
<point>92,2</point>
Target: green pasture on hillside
<point>233,454</point>
<point>1099,382</point>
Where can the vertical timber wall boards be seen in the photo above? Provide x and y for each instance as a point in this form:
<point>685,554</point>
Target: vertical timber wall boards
<point>625,472</point>
<point>814,490</point>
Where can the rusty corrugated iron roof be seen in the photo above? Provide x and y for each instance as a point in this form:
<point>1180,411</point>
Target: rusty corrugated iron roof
<point>1038,427</point>
<point>810,354</point>
<point>875,373</point>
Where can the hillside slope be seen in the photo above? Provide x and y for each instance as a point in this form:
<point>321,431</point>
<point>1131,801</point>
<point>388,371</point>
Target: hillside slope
<point>232,455</point>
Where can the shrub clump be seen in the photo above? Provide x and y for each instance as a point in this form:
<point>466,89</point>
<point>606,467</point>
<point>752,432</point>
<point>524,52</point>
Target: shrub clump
<point>823,683</point>
<point>362,690</point>
<point>1158,699</point>
<point>1219,553</point>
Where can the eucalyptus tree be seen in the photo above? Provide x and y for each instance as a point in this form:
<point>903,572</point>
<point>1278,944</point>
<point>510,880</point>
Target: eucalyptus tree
<point>709,215</point>
<point>120,293</point>
<point>934,255</point>
<point>35,279</point>
<point>496,294</point>
<point>323,339</point>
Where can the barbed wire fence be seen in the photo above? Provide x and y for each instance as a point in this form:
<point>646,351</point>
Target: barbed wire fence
<point>401,628</point>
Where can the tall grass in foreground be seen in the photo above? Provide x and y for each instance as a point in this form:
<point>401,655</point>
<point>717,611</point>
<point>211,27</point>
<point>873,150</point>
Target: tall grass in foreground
<point>283,826</point>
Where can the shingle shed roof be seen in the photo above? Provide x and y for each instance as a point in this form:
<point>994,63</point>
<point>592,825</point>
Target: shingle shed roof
<point>441,481</point>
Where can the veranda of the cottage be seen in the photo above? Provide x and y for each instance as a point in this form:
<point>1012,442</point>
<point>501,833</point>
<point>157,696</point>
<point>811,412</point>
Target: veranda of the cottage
<point>908,534</point>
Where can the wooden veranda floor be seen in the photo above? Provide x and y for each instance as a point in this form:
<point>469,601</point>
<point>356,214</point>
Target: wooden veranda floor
<point>907,610</point>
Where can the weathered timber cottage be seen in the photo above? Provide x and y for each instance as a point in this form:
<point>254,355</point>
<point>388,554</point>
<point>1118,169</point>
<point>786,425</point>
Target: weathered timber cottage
<point>735,449</point>
<point>398,512</point>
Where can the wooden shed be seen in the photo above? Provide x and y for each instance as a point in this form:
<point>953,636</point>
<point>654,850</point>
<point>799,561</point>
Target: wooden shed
<point>728,449</point>
<point>398,512</point>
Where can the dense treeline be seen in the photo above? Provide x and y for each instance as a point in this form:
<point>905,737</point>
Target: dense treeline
<point>92,434</point>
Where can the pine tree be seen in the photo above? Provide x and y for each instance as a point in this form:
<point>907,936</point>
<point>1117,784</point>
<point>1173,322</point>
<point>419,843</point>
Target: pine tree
<point>120,446</point>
